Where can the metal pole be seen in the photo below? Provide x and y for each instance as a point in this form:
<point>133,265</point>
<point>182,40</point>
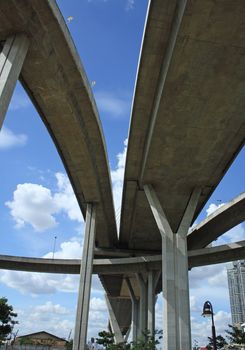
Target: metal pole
<point>213,331</point>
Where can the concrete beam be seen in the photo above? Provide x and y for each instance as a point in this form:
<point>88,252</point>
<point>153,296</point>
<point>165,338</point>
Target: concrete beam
<point>11,61</point>
<point>216,224</point>
<point>199,257</point>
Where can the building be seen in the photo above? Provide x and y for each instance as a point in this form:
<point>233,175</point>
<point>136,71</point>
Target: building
<point>41,339</point>
<point>236,283</point>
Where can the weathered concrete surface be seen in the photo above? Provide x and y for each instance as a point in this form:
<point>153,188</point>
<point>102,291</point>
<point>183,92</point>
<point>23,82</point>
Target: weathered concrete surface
<point>55,80</point>
<point>219,222</point>
<point>198,126</point>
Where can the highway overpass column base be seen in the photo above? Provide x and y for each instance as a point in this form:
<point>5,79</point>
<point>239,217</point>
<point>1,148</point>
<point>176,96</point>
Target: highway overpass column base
<point>177,335</point>
<point>113,322</point>
<point>80,335</point>
<point>12,58</point>
<point>153,277</point>
<point>142,304</point>
<point>135,311</point>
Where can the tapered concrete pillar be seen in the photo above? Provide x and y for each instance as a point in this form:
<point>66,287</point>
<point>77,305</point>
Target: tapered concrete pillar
<point>80,335</point>
<point>182,272</point>
<point>118,337</point>
<point>170,326</point>
<point>151,302</point>
<point>174,273</point>
<point>142,304</point>
<point>135,311</point>
<point>12,58</point>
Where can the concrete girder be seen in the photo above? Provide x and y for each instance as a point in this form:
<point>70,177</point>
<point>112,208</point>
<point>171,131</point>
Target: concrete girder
<point>220,221</point>
<point>200,257</point>
<point>12,58</point>
<point>55,80</point>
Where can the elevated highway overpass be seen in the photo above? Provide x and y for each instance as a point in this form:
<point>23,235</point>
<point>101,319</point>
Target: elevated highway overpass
<point>187,126</point>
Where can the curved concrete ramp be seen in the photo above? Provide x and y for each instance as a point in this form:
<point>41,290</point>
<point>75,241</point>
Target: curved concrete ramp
<point>55,80</point>
<point>187,122</point>
<point>216,224</point>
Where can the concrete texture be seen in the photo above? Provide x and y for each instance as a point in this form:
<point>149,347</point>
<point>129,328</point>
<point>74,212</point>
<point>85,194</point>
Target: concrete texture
<point>56,82</point>
<point>199,126</point>
<point>216,224</point>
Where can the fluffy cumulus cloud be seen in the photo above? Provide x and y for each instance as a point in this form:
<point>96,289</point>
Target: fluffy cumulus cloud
<point>51,317</point>
<point>50,308</point>
<point>117,179</point>
<point>36,205</point>
<point>213,207</point>
<point>8,139</point>
<point>33,204</point>
<point>39,283</point>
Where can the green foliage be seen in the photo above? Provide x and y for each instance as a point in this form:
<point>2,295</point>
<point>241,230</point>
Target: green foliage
<point>69,344</point>
<point>7,321</point>
<point>147,342</point>
<point>235,335</point>
<point>106,339</point>
<point>220,342</point>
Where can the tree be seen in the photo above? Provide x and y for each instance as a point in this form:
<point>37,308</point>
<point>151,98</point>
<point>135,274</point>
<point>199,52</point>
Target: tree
<point>7,321</point>
<point>235,335</point>
<point>220,342</point>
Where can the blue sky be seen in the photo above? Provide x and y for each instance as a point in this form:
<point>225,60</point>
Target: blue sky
<point>107,34</point>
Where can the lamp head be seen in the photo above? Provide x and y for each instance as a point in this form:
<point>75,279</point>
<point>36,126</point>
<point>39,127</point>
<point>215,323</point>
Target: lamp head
<point>207,309</point>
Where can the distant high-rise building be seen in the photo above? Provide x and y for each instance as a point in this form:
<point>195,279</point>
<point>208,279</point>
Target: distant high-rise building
<point>236,283</point>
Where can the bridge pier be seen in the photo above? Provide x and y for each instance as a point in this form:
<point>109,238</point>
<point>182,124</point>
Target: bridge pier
<point>80,336</point>
<point>12,58</point>
<point>177,331</point>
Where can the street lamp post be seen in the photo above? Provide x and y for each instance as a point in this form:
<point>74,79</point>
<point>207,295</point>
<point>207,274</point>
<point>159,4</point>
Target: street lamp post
<point>208,311</point>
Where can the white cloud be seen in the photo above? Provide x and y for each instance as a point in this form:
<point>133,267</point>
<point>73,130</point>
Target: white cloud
<point>213,207</point>
<point>65,198</point>
<point>38,283</point>
<point>208,276</point>
<point>35,204</point>
<point>117,176</point>
<point>113,105</point>
<point>68,250</point>
<point>50,308</point>
<point>53,318</point>
<point>9,140</point>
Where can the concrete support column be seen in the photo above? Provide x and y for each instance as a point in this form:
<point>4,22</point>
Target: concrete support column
<point>11,61</point>
<point>170,326</point>
<point>153,277</point>
<point>174,273</point>
<point>135,311</point>
<point>113,322</point>
<point>142,304</point>
<point>182,272</point>
<point>80,335</point>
